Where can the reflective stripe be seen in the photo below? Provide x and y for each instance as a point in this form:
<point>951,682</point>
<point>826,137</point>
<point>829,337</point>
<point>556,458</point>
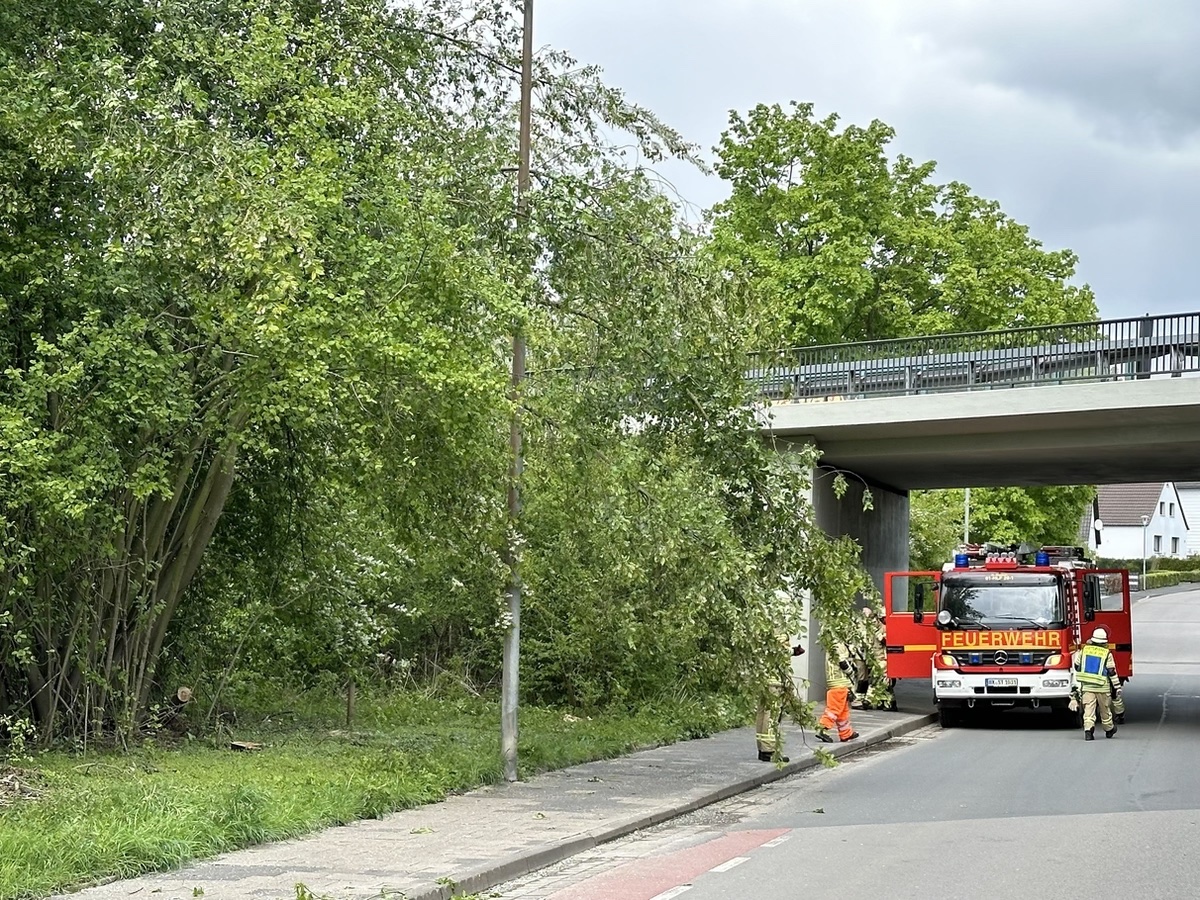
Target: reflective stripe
<point>914,647</point>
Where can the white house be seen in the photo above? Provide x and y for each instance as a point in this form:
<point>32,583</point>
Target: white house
<point>1139,520</point>
<point>1189,497</point>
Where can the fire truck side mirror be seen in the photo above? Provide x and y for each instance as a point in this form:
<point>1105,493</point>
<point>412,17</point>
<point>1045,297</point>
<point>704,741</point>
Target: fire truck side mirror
<point>1090,587</point>
<point>919,604</point>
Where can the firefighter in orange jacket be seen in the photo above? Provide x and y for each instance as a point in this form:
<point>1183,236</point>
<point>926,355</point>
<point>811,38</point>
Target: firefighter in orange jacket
<point>1096,679</point>
<point>837,696</point>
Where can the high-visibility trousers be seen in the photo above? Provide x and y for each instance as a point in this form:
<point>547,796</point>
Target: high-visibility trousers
<point>837,712</point>
<point>766,723</point>
<point>1097,701</point>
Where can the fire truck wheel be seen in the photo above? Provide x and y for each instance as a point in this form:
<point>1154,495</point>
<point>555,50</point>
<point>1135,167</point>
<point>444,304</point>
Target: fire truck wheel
<point>949,716</point>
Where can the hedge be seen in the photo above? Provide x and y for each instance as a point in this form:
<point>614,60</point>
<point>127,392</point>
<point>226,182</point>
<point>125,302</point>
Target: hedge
<point>1170,564</point>
<point>1169,579</point>
<point>1133,565</point>
<point>1153,564</point>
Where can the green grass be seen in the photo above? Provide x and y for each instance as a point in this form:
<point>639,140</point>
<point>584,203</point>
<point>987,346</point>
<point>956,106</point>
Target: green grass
<point>110,814</point>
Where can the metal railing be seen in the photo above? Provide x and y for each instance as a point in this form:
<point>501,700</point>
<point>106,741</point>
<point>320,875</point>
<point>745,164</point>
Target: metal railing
<point>1111,350</point>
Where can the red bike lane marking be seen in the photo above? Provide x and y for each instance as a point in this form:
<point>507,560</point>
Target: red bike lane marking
<point>647,878</point>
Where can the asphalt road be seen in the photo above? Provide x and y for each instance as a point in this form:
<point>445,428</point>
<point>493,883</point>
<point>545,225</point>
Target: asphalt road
<point>1005,804</point>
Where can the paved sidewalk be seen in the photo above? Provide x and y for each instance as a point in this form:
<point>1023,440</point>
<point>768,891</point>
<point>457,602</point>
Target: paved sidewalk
<point>477,840</point>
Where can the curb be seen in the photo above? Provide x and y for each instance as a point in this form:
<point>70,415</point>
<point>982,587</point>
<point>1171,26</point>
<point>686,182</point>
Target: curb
<point>494,873</point>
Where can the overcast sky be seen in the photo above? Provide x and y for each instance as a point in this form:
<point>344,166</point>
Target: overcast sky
<point>1082,117</point>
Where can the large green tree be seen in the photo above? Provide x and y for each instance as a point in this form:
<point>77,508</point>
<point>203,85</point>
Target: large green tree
<point>259,265</point>
<point>224,226</point>
<point>1008,515</point>
<point>840,240</point>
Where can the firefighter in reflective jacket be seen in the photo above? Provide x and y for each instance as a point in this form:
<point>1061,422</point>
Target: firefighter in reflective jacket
<point>1096,679</point>
<point>874,689</point>
<point>837,696</point>
<point>770,710</point>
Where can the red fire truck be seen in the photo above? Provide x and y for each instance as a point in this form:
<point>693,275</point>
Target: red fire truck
<point>997,626</point>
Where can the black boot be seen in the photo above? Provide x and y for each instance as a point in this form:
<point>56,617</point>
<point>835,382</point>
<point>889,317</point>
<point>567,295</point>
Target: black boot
<point>768,756</point>
<point>1120,718</point>
<point>1110,732</point>
<point>1090,734</point>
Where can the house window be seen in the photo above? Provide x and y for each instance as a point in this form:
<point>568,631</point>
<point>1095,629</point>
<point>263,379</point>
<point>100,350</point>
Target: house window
<point>1174,546</point>
<point>1172,512</point>
<point>1162,507</point>
<point>1158,543</point>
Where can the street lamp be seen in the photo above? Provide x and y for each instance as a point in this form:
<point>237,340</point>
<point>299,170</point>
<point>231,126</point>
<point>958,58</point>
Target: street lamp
<point>1145,522</point>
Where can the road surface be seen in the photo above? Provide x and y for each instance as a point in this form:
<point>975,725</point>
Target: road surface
<point>1005,804</point>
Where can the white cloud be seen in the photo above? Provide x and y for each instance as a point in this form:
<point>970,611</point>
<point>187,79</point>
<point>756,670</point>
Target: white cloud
<point>1082,119</point>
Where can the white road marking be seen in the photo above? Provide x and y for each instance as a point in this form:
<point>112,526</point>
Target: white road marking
<point>775,842</point>
<point>729,864</point>
<point>673,892</point>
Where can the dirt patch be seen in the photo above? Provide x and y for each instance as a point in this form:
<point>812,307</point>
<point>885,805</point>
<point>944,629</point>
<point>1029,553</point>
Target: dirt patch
<point>18,785</point>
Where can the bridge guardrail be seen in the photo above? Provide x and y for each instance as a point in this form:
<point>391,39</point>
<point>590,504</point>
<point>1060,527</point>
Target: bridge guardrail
<point>1108,350</point>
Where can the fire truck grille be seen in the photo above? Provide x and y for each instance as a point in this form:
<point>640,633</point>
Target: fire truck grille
<point>1008,658</point>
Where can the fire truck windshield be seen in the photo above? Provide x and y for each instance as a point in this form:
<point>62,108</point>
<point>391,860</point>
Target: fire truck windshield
<point>1003,600</point>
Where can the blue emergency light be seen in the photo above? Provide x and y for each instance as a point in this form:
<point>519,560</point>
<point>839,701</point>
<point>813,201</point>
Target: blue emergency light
<point>1042,558</point>
<point>961,561</point>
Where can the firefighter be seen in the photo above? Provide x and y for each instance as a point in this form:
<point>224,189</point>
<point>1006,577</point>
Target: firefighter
<point>874,687</point>
<point>837,696</point>
<point>770,712</point>
<point>1096,680</point>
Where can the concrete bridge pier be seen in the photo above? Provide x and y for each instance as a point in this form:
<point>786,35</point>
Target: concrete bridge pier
<point>881,532</point>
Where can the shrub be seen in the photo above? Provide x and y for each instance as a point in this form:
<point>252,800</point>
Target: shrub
<point>1171,564</point>
<point>1161,579</point>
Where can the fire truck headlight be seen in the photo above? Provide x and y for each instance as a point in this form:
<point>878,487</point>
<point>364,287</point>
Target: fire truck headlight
<point>1055,682</point>
<point>949,661</point>
<point>949,683</point>
<point>1054,659</point>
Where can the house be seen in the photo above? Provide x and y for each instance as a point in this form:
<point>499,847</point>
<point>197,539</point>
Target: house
<point>1189,498</point>
<point>1139,520</point>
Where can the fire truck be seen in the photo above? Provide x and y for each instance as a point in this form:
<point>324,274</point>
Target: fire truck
<point>997,626</point>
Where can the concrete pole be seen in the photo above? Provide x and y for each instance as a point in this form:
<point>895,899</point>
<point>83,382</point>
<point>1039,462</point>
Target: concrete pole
<point>511,665</point>
<point>967,516</point>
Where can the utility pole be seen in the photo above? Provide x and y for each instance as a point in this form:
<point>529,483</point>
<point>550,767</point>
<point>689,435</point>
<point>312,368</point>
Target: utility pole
<point>1142,583</point>
<point>512,638</point>
<point>967,516</point>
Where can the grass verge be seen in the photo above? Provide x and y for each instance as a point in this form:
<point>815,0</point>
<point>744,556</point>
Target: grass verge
<point>105,815</point>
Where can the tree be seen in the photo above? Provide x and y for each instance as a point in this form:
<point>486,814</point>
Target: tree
<point>207,249</point>
<point>1008,515</point>
<point>839,242</point>
<point>836,241</point>
<point>258,261</point>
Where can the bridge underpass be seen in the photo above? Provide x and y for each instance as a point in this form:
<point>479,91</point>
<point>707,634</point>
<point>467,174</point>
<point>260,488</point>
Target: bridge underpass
<point>1097,403</point>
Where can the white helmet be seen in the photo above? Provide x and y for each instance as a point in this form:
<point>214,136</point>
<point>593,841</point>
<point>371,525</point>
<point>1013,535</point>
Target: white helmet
<point>1100,635</point>
<point>868,612</point>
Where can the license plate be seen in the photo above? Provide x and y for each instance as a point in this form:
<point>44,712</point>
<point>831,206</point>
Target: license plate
<point>1000,682</point>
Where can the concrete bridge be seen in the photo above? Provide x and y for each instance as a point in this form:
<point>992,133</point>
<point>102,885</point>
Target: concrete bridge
<point>1103,402</point>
